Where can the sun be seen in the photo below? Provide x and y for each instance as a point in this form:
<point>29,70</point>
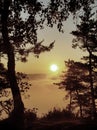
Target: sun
<point>54,67</point>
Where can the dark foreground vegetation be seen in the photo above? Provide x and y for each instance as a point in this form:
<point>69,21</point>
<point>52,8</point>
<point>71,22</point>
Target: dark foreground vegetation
<point>54,120</point>
<point>63,125</point>
<point>53,125</point>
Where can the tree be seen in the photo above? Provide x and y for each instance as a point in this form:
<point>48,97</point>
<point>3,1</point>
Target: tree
<point>16,35</point>
<point>6,105</point>
<point>76,82</point>
<point>58,11</point>
<point>86,39</point>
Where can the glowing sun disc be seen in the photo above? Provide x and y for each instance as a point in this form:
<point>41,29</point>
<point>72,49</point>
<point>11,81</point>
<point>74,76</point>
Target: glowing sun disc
<point>53,67</point>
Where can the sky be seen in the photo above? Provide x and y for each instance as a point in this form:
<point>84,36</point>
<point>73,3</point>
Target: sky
<point>62,50</point>
<point>44,95</point>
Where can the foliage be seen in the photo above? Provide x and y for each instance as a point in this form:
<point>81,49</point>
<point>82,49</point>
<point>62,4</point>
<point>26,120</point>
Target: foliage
<point>30,116</point>
<point>6,105</point>
<point>57,114</point>
<point>58,11</point>
<point>24,19</point>
<point>86,35</point>
<point>86,39</point>
<point>76,82</point>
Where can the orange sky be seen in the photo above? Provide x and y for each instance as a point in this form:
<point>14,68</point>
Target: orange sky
<point>62,50</point>
<point>43,94</point>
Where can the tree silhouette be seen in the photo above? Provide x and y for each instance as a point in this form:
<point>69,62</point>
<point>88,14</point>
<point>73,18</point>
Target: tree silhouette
<point>6,105</point>
<point>76,82</point>
<point>59,10</point>
<point>16,35</point>
<point>86,39</point>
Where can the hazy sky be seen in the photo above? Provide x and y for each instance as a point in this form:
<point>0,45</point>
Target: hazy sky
<point>62,50</point>
<point>43,94</point>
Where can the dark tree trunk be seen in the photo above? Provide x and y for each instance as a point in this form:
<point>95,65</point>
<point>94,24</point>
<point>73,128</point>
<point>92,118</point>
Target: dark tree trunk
<point>18,112</point>
<point>93,111</point>
<point>91,86</point>
<point>70,102</point>
<point>79,103</point>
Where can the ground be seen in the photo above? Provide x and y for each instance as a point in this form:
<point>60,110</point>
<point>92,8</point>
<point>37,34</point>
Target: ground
<point>63,125</point>
<point>54,125</point>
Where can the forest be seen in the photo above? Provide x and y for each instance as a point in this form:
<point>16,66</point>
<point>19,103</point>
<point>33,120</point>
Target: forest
<point>19,39</point>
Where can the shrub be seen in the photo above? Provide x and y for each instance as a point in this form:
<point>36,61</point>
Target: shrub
<point>56,114</point>
<point>30,115</point>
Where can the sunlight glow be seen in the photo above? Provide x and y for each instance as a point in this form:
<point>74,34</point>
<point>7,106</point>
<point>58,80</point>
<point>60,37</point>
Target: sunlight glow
<point>53,67</point>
